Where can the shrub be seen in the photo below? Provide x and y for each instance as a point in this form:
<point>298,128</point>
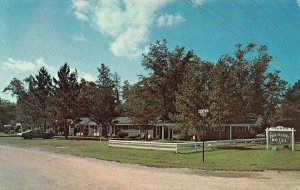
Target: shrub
<point>122,134</point>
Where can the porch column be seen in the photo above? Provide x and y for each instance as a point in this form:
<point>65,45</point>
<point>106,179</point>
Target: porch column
<point>162,132</point>
<point>230,133</point>
<point>169,133</point>
<point>89,128</point>
<point>69,129</point>
<point>172,134</point>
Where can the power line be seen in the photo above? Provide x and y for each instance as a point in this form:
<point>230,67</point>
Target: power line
<point>249,15</point>
<point>216,13</point>
<point>213,18</point>
<point>286,12</point>
<point>266,14</point>
<point>245,10</point>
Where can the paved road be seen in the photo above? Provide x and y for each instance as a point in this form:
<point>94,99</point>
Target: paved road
<point>34,169</point>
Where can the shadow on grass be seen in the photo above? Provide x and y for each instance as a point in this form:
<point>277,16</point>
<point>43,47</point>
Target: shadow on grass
<point>79,138</point>
<point>238,148</point>
<point>34,139</point>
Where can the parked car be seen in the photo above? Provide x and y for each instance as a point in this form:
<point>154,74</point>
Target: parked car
<point>29,134</point>
<point>261,135</point>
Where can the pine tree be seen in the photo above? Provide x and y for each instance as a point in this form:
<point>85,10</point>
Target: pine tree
<point>66,96</point>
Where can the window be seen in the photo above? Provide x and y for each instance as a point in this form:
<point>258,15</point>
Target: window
<point>143,129</point>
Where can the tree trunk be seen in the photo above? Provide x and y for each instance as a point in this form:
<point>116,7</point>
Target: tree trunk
<point>197,137</point>
<point>66,131</point>
<point>147,133</point>
<point>45,126</point>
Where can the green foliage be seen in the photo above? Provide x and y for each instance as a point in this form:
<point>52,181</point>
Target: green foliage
<point>248,88</point>
<point>16,87</point>
<point>28,109</point>
<point>7,112</point>
<point>104,99</point>
<point>141,103</point>
<point>193,95</point>
<point>167,71</point>
<point>243,86</point>
<point>178,85</point>
<point>40,89</point>
<point>66,96</point>
<point>289,112</point>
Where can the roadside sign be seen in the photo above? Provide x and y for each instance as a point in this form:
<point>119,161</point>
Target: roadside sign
<point>203,111</point>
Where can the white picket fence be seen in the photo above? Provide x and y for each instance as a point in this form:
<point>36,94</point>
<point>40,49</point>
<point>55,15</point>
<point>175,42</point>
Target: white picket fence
<point>177,147</point>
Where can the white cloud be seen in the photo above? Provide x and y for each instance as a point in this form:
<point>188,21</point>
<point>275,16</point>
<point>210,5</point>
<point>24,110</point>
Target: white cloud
<point>197,3</point>
<point>81,8</point>
<point>79,38</point>
<point>81,75</point>
<point>87,77</point>
<point>170,20</point>
<point>18,65</point>
<point>25,66</point>
<point>127,22</point>
<point>298,1</point>
<point>41,63</point>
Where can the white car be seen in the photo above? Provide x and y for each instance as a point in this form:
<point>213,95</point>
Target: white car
<point>261,135</point>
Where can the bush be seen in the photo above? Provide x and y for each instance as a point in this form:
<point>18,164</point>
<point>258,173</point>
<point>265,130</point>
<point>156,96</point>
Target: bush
<point>122,134</point>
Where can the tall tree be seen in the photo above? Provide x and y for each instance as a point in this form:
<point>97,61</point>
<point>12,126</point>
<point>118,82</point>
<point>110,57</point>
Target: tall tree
<point>194,94</point>
<point>66,96</point>
<point>167,71</point>
<point>16,88</point>
<point>7,112</point>
<point>221,94</point>
<point>288,113</point>
<point>275,89</point>
<point>141,103</point>
<point>117,91</point>
<point>104,99</point>
<point>40,87</point>
<point>27,113</point>
<point>251,84</point>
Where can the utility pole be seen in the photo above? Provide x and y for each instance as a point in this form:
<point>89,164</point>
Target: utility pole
<point>203,113</point>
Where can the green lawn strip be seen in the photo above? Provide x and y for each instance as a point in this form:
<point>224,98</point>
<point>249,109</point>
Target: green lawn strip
<point>7,135</point>
<point>240,158</point>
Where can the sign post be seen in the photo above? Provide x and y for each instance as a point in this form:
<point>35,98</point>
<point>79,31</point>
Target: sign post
<point>280,135</point>
<point>203,113</point>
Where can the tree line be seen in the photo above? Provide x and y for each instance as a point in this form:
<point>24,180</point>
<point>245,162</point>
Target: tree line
<point>177,85</point>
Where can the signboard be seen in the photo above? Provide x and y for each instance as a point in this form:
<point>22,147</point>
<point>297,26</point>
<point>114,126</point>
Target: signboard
<point>203,111</point>
<point>280,137</point>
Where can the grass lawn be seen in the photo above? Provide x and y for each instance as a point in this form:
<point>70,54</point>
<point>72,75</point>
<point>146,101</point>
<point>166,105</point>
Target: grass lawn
<point>6,135</point>
<point>251,157</point>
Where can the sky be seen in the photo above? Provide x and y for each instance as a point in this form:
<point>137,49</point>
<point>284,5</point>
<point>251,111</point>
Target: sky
<point>86,33</point>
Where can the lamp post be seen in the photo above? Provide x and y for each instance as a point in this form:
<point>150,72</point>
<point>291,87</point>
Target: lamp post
<point>203,113</point>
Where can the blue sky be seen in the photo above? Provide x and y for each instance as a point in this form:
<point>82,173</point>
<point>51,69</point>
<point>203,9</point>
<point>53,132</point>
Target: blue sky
<point>35,33</point>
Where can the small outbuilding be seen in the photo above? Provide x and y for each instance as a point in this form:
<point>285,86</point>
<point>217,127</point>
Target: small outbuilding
<point>85,126</point>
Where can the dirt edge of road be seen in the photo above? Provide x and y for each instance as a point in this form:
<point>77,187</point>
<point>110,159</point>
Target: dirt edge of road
<point>67,171</point>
